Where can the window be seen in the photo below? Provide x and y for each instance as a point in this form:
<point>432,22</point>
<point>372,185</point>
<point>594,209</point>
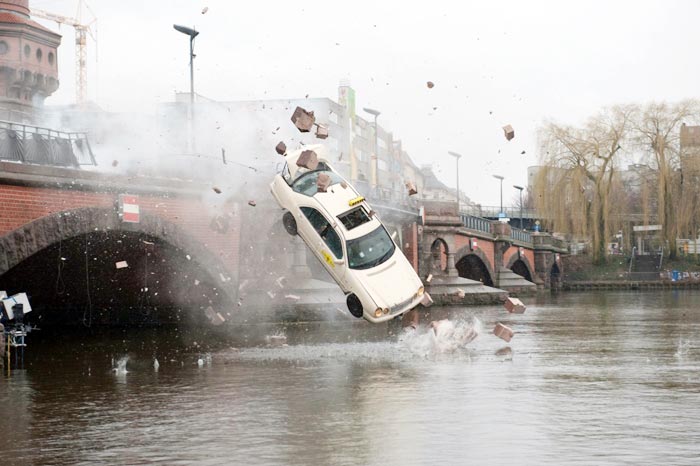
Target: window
<point>51,58</point>
<point>370,250</point>
<point>39,54</point>
<point>324,230</point>
<point>354,218</point>
<point>3,47</point>
<point>27,50</point>
<point>306,183</point>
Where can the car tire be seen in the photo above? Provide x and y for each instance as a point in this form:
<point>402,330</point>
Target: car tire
<point>289,223</point>
<point>354,305</point>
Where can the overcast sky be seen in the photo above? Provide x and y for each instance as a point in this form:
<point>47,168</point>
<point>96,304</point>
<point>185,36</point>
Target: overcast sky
<point>493,63</point>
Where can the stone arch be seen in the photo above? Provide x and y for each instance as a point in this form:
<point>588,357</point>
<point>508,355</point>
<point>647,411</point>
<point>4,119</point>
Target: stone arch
<point>438,255</point>
<point>474,265</point>
<point>25,245</point>
<point>522,267</point>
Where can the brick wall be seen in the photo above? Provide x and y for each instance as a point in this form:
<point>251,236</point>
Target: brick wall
<point>21,204</point>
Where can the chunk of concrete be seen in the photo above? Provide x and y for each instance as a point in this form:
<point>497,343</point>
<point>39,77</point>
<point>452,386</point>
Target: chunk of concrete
<point>503,332</point>
<point>427,300</point>
<point>281,148</point>
<point>303,120</point>
<point>411,188</point>
<point>410,319</point>
<point>429,278</point>
<point>509,132</point>
<point>252,203</point>
<point>323,181</point>
<point>121,265</point>
<point>430,84</point>
<point>460,293</point>
<point>308,159</point>
<point>216,190</point>
<point>514,306</point>
<point>321,131</point>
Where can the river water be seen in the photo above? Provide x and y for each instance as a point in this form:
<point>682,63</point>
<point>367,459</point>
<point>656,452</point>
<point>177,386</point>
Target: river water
<point>589,378</point>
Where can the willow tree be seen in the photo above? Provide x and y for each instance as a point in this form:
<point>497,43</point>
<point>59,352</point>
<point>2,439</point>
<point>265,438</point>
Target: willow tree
<point>656,129</point>
<point>575,185</point>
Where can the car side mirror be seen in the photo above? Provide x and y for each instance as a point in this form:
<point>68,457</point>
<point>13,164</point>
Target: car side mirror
<point>339,261</point>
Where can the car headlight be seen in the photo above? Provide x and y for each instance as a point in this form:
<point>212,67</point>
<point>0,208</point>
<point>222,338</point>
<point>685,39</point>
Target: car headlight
<point>378,312</point>
<point>386,310</point>
<point>420,291</point>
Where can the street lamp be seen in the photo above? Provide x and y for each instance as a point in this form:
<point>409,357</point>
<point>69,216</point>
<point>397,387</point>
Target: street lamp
<point>520,189</point>
<point>192,33</point>
<point>500,214</point>
<point>457,157</point>
<point>375,113</point>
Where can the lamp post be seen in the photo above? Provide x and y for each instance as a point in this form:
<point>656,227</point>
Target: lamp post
<point>520,189</point>
<point>457,157</point>
<point>192,33</point>
<point>375,113</point>
<point>500,213</point>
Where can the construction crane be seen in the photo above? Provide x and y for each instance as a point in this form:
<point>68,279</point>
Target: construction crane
<point>81,32</point>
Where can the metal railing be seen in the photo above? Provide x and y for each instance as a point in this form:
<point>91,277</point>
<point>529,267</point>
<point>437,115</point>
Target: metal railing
<point>476,223</point>
<point>44,146</point>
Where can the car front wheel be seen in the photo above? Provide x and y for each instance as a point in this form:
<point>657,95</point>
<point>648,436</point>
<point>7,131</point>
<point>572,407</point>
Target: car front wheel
<point>289,223</point>
<point>354,305</point>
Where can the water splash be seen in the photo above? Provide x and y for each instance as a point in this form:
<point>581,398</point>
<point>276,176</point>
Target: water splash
<point>441,337</point>
<point>119,367</point>
<point>683,349</point>
<point>156,364</point>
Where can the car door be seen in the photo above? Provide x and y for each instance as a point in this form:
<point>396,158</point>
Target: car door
<point>327,243</point>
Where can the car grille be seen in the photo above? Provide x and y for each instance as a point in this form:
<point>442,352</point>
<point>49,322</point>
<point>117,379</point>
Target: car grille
<point>401,306</point>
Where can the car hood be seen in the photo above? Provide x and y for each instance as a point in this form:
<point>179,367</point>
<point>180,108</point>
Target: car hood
<point>392,282</point>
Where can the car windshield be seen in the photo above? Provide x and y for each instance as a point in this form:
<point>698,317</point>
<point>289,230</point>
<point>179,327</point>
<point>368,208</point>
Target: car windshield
<point>306,183</point>
<point>370,250</point>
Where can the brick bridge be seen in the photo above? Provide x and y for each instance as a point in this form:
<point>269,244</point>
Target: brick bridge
<point>61,235</point>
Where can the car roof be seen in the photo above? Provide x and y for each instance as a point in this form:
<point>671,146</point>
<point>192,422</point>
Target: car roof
<point>336,200</point>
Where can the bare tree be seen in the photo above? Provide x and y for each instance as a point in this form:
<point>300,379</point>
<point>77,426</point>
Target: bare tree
<point>575,186</point>
<point>656,129</point>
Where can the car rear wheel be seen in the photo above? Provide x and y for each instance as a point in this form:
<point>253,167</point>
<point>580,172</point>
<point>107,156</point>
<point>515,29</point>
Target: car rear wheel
<point>354,305</point>
<point>289,223</point>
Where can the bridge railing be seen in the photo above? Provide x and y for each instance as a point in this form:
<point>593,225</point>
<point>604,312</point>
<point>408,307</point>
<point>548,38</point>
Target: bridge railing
<point>476,223</point>
<point>520,235</point>
<point>44,146</point>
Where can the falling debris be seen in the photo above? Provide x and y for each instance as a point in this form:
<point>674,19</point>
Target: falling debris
<point>321,131</point>
<point>188,257</point>
<point>509,132</point>
<point>216,190</point>
<point>430,84</point>
<point>514,306</point>
<point>196,282</point>
<point>429,279</point>
<point>252,203</point>
<point>427,300</point>
<point>503,332</point>
<point>115,163</point>
<point>122,265</point>
<point>460,293</point>
<point>323,181</point>
<point>281,148</point>
<point>303,120</point>
<point>280,281</point>
<point>308,159</point>
<point>293,297</point>
<point>214,317</point>
<point>411,188</point>
<point>205,9</point>
<point>372,213</point>
<point>271,294</point>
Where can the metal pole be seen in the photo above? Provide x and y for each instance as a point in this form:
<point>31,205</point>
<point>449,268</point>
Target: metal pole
<point>521,209</point>
<point>192,94</point>
<point>457,163</point>
<point>376,153</point>
<point>501,194</point>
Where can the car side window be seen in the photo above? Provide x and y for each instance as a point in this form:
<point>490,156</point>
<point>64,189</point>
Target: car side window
<point>324,230</point>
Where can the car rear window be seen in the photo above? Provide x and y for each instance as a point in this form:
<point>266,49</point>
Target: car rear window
<point>354,218</point>
<point>306,183</point>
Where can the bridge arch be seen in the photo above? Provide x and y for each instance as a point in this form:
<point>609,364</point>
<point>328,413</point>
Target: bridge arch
<point>474,265</point>
<point>60,252</point>
<point>522,267</point>
<point>438,255</point>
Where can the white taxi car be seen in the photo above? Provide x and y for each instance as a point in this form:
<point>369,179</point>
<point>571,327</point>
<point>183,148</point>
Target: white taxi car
<point>349,240</point>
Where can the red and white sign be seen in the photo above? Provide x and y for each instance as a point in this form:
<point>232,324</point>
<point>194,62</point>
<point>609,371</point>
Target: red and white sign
<point>473,244</point>
<point>129,208</point>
